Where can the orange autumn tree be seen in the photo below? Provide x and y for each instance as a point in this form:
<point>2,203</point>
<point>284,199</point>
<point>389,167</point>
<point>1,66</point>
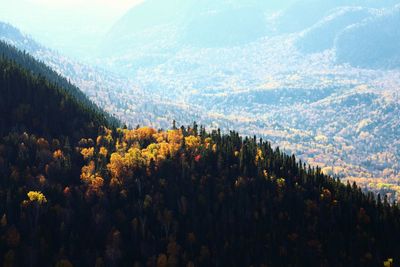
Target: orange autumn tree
<point>87,153</point>
<point>92,178</point>
<point>123,164</point>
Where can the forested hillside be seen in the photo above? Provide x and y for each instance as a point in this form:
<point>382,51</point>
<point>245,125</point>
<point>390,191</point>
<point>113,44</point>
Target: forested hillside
<point>40,71</point>
<point>75,192</point>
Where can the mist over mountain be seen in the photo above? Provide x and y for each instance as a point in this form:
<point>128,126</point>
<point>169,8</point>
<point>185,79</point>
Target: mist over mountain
<point>15,37</point>
<point>305,13</point>
<point>152,32</point>
<point>361,37</point>
<point>323,34</point>
<point>373,43</point>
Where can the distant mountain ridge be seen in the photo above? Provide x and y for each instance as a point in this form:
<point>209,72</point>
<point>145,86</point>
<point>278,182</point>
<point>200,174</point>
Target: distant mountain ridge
<point>198,23</point>
<point>362,37</point>
<point>303,14</point>
<point>373,43</point>
<point>323,34</point>
<point>151,33</point>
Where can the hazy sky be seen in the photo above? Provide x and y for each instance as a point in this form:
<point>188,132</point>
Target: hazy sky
<point>68,25</point>
<point>110,5</point>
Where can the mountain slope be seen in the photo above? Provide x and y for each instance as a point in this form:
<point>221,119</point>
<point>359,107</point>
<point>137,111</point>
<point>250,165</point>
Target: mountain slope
<point>372,44</point>
<point>8,32</point>
<point>323,34</point>
<point>154,30</point>
<point>198,23</point>
<point>36,99</point>
<point>40,69</point>
<point>303,14</point>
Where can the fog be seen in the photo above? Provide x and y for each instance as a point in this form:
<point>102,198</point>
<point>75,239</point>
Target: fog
<point>70,26</point>
<point>78,27</point>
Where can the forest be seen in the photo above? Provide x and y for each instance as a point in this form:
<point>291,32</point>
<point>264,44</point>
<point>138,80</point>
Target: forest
<point>77,189</point>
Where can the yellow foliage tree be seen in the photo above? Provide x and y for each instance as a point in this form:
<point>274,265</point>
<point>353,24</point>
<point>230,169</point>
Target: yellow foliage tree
<point>259,156</point>
<point>145,133</point>
<point>95,186</point>
<point>388,263</point>
<point>134,158</point>
<point>103,151</point>
<point>93,179</point>
<point>141,134</point>
<point>87,153</point>
<point>192,141</point>
<point>88,172</point>
<point>36,196</point>
<point>122,166</point>
<point>174,136</point>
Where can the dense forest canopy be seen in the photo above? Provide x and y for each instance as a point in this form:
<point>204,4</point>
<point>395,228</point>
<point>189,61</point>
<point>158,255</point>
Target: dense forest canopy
<point>182,197</point>
<point>76,191</point>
